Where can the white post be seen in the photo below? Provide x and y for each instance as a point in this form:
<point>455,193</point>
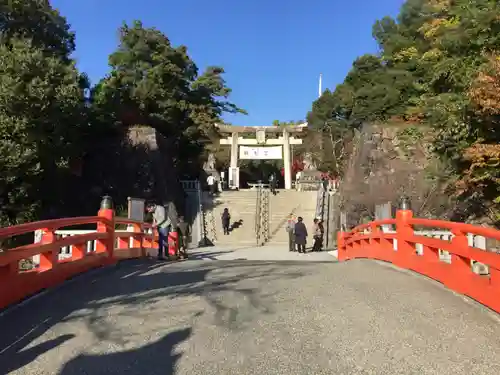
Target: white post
<point>320,89</point>
<point>233,170</point>
<point>234,150</point>
<point>286,160</point>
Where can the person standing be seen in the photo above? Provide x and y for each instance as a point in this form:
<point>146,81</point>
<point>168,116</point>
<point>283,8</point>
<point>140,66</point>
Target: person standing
<point>226,219</point>
<point>322,232</point>
<point>324,181</point>
<point>300,235</point>
<point>222,181</point>
<point>290,228</point>
<point>317,236</point>
<point>183,230</point>
<point>297,181</point>
<point>162,224</point>
<point>272,183</point>
<point>211,184</point>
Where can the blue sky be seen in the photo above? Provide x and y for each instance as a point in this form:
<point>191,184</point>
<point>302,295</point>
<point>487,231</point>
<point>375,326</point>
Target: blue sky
<point>273,50</point>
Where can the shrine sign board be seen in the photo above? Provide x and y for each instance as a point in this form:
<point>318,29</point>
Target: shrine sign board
<point>136,209</point>
<point>261,153</point>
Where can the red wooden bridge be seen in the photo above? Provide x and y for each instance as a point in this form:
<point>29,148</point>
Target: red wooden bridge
<point>126,313</point>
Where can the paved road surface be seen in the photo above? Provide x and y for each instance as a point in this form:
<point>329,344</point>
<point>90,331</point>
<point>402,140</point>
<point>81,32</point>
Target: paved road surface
<point>213,316</point>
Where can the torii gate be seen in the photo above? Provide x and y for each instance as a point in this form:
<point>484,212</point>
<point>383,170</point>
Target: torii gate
<point>262,147</point>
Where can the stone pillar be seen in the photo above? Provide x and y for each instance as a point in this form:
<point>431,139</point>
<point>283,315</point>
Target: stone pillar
<point>286,160</point>
<point>234,150</point>
<point>234,178</point>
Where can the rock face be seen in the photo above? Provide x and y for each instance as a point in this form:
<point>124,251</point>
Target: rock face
<point>209,167</point>
<point>386,162</point>
<point>152,152</point>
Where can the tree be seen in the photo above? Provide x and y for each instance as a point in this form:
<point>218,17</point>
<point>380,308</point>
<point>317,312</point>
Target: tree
<point>278,123</point>
<point>438,68</point>
<point>38,21</point>
<point>331,119</point>
<point>42,116</point>
<point>42,110</point>
<point>61,148</point>
<point>156,84</point>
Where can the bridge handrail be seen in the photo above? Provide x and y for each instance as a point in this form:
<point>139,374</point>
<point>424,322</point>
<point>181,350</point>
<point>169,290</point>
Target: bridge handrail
<point>400,248</point>
<point>109,246</point>
<point>452,226</point>
<point>457,227</point>
<point>53,224</point>
<point>371,224</point>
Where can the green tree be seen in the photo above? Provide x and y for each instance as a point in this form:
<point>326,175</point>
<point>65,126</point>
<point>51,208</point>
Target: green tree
<point>287,123</point>
<point>156,84</point>
<point>331,119</point>
<point>38,21</point>
<point>42,110</point>
<point>438,67</point>
<point>41,118</point>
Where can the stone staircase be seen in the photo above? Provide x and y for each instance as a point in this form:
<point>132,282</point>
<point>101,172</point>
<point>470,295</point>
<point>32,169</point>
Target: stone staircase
<point>242,207</point>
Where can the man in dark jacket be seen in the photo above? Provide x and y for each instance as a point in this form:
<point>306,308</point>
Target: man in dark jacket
<point>272,183</point>
<point>301,235</point>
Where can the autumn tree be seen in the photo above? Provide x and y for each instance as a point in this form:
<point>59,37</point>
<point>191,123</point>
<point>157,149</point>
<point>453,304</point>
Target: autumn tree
<point>437,68</point>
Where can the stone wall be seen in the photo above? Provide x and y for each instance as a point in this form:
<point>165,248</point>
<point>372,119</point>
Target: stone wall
<point>387,162</point>
<point>158,161</point>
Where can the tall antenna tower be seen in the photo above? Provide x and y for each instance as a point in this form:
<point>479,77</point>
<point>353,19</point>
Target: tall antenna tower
<point>320,89</point>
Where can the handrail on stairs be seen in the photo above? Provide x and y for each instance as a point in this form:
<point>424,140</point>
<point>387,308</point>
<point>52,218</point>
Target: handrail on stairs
<point>320,202</point>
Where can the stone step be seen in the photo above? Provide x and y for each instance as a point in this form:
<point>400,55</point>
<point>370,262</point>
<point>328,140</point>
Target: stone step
<point>242,206</point>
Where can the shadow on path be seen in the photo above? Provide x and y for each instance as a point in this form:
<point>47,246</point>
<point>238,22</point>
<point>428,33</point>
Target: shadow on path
<point>212,255</point>
<point>157,358</point>
<point>26,356</point>
<point>235,225</point>
<point>131,287</point>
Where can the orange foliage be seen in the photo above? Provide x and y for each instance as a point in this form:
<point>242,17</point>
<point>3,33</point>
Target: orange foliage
<point>409,119</point>
<point>485,163</point>
<point>485,91</point>
<point>439,5</point>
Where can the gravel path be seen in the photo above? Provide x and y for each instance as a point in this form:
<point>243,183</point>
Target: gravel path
<point>214,316</point>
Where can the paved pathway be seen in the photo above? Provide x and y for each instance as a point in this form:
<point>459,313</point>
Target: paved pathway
<point>269,252</point>
<point>269,316</point>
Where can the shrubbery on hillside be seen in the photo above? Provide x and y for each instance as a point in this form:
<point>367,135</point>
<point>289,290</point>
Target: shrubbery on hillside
<point>54,125</point>
<point>439,68</point>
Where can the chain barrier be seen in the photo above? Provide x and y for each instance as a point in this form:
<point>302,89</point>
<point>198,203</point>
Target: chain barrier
<point>209,229</point>
<point>212,226</point>
<point>265,215</point>
<point>257,214</point>
<point>321,202</point>
<point>262,209</point>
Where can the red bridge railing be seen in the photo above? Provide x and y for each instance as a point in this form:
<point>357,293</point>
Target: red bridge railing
<point>111,245</point>
<point>400,248</point>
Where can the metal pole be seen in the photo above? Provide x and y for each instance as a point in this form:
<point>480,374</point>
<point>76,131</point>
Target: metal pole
<point>320,89</point>
<point>201,220</point>
<point>328,222</point>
